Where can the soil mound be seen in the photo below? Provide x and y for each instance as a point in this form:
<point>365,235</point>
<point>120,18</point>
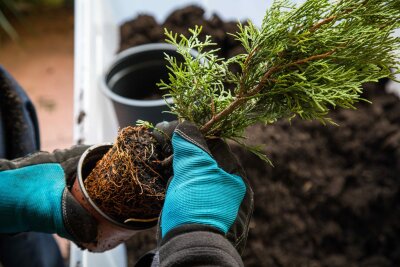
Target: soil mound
<point>333,197</point>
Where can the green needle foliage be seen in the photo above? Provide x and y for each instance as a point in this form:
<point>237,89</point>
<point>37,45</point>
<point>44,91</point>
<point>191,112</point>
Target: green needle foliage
<point>303,61</point>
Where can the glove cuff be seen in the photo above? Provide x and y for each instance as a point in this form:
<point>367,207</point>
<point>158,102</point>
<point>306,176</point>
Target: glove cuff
<point>30,199</point>
<point>187,245</point>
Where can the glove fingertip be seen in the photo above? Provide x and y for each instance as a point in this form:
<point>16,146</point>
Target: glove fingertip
<point>190,133</point>
<point>163,134</point>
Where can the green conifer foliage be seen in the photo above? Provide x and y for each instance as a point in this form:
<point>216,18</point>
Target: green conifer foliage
<point>303,61</point>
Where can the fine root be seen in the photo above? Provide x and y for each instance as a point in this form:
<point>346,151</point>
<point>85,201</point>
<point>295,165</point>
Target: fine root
<point>126,183</point>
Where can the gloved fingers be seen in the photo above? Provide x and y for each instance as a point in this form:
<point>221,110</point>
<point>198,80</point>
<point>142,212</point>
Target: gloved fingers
<point>217,148</point>
<point>81,226</point>
<point>69,159</point>
<point>29,160</point>
<point>62,155</point>
<point>192,134</point>
<point>225,158</point>
<point>163,134</point>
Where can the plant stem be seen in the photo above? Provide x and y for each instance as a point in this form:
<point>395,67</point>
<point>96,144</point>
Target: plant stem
<point>245,69</point>
<point>322,22</point>
<point>242,99</point>
<point>167,162</point>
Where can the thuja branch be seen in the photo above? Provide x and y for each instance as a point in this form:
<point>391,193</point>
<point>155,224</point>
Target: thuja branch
<point>302,61</point>
<point>242,98</point>
<point>322,22</point>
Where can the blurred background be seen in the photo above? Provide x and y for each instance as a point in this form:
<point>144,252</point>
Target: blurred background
<point>333,197</point>
<point>37,48</point>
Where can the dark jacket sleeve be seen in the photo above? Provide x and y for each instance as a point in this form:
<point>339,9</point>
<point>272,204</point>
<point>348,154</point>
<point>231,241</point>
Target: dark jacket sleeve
<point>193,245</point>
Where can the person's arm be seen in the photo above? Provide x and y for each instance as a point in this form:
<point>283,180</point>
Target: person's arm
<point>208,204</point>
<point>34,196</point>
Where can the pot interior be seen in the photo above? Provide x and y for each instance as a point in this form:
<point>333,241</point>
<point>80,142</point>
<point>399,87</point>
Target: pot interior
<point>136,75</point>
<point>91,159</point>
<point>87,162</point>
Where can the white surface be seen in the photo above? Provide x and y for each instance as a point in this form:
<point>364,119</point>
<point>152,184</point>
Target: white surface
<point>112,258</point>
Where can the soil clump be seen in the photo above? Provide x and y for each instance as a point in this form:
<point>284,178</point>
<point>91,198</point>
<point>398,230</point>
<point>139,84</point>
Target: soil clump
<point>128,183</point>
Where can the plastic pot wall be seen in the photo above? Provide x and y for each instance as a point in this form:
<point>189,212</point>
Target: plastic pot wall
<point>110,231</point>
<point>131,83</point>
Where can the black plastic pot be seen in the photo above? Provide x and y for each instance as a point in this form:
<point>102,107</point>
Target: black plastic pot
<point>131,83</point>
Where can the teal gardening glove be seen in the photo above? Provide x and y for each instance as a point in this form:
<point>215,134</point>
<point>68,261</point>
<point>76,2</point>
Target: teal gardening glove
<point>34,196</point>
<point>208,187</point>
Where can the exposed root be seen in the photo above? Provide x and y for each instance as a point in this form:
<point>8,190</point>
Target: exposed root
<point>140,220</point>
<point>126,183</point>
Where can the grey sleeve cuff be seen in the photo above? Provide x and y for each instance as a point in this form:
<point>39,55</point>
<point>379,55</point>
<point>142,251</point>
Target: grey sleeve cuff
<point>197,245</point>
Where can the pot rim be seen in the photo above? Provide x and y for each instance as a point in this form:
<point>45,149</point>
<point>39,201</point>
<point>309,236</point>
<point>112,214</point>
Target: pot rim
<point>126,53</point>
<point>92,203</point>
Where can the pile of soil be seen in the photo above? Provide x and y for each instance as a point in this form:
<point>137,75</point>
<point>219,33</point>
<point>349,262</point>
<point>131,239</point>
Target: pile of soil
<point>333,197</point>
<point>145,29</point>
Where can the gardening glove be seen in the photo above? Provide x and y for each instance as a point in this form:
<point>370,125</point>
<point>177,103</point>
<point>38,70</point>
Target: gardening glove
<point>34,196</point>
<point>209,188</point>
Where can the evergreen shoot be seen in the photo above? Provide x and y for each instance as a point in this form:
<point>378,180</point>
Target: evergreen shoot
<point>303,61</point>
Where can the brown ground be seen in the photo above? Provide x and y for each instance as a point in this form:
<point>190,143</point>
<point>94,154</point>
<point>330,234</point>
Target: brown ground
<point>42,62</point>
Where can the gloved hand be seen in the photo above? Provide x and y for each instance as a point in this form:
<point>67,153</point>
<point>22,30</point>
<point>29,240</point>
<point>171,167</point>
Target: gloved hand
<point>208,187</point>
<point>34,196</point>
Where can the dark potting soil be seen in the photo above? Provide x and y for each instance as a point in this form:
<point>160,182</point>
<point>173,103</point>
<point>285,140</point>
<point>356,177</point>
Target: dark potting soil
<point>333,197</point>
